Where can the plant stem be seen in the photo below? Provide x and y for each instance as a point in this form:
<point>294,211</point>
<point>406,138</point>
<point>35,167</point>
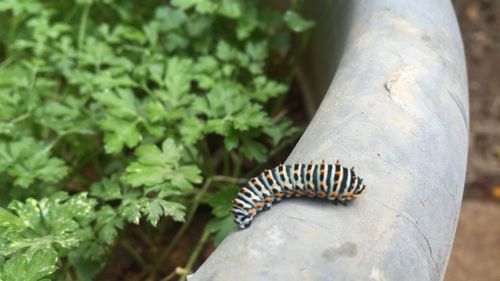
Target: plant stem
<point>6,63</point>
<point>83,25</point>
<point>137,257</point>
<point>19,118</point>
<point>65,269</point>
<point>226,164</point>
<point>192,212</point>
<point>169,277</point>
<point>12,33</point>
<point>237,164</point>
<point>195,254</point>
<point>297,57</point>
<point>206,151</point>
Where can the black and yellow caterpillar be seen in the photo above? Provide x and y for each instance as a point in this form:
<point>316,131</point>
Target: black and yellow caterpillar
<point>333,182</point>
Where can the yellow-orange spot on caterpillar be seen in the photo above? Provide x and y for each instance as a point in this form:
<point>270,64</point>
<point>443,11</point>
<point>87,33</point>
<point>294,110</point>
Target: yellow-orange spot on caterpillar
<point>259,204</point>
<point>322,172</point>
<point>337,172</point>
<point>310,172</point>
<point>322,194</point>
<point>335,194</point>
<point>295,172</point>
<point>252,211</point>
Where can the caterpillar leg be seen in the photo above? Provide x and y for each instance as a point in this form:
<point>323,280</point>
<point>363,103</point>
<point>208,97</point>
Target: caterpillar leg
<point>268,205</point>
<point>247,224</point>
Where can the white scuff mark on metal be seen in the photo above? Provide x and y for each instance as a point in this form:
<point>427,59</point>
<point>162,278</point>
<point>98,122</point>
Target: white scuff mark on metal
<point>377,275</point>
<point>269,246</point>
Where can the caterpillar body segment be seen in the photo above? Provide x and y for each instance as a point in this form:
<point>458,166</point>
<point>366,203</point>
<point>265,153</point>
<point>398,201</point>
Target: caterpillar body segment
<point>333,182</point>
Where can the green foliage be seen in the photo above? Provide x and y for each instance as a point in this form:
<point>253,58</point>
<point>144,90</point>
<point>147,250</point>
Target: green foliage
<point>114,113</point>
<point>222,224</point>
<point>36,232</point>
<point>296,22</point>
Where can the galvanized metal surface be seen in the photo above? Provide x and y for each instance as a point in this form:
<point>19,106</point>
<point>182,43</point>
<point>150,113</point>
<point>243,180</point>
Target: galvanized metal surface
<point>397,109</point>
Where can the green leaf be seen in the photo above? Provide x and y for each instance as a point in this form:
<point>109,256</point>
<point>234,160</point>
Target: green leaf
<point>150,154</point>
<point>176,42</point>
<point>120,133</point>
<point>171,152</point>
<point>27,160</point>
<point>65,116</point>
<point>220,201</point>
<point>155,166</point>
<point>156,208</point>
<point>254,150</point>
<point>221,227</point>
<point>231,141</point>
<point>131,212</point>
<point>121,123</point>
<point>121,103</point>
<point>174,210</point>
<point>107,224</point>
<point>280,131</point>
<point>107,189</point>
<point>192,130</point>
<point>169,19</point>
<point>202,6</point>
<point>231,8</point>
<point>266,89</point>
<point>191,172</point>
<point>86,269</point>
<point>37,267</point>
<point>47,224</point>
<point>128,33</point>
<point>257,51</point>
<point>198,26</point>
<point>138,174</point>
<point>177,77</point>
<point>296,22</point>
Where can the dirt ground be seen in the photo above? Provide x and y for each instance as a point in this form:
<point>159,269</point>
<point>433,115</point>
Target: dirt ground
<point>476,250</point>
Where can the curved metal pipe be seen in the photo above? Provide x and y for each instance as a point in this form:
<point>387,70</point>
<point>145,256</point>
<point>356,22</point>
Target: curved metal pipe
<point>397,109</point>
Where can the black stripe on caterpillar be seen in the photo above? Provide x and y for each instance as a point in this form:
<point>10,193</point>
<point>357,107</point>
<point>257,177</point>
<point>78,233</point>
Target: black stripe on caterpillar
<point>332,182</point>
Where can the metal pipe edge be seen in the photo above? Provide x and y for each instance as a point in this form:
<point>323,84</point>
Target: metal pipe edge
<point>397,109</point>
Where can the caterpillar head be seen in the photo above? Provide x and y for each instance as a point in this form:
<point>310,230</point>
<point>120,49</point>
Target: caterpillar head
<point>359,188</point>
<point>242,217</point>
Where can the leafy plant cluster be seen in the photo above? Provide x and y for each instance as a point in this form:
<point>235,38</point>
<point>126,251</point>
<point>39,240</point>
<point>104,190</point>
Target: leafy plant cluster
<point>114,113</point>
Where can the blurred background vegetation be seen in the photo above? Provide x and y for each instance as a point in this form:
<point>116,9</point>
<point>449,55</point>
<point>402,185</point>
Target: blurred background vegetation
<point>476,251</point>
